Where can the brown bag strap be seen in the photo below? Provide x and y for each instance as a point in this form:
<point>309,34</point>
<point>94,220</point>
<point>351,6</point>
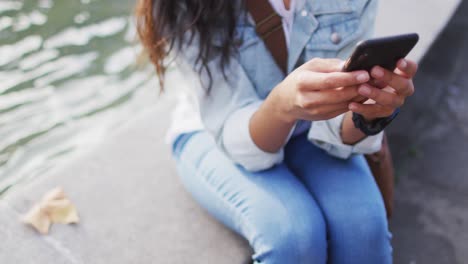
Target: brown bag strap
<point>269,27</point>
<point>381,166</point>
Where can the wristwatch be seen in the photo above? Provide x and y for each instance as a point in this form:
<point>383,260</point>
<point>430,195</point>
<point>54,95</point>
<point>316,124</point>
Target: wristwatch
<point>374,127</point>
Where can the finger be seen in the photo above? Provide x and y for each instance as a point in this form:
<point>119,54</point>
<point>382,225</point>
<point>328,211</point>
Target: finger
<point>359,99</point>
<point>330,96</point>
<point>335,113</point>
<point>325,112</point>
<point>389,89</point>
<point>377,83</point>
<point>371,110</point>
<point>380,96</point>
<point>407,67</point>
<point>325,109</point>
<point>399,83</point>
<point>331,114</point>
<point>324,65</point>
<point>310,81</point>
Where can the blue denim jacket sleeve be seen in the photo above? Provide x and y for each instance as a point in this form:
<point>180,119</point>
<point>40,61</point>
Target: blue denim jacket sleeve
<point>226,108</point>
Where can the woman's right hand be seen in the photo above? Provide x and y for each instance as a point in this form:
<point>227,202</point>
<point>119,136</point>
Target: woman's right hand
<point>317,90</point>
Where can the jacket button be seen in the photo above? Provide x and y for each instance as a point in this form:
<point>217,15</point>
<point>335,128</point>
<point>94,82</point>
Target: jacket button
<point>304,13</point>
<point>335,38</point>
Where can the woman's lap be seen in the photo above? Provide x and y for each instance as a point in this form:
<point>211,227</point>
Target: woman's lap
<point>286,212</point>
<point>267,208</point>
<point>349,199</point>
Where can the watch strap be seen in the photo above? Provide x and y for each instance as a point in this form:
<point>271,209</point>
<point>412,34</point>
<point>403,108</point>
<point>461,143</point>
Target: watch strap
<point>376,126</point>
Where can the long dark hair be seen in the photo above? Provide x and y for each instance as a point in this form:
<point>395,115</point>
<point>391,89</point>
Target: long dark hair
<point>163,25</point>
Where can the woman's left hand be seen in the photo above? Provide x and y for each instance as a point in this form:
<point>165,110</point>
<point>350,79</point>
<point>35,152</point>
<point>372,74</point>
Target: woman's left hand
<point>397,86</point>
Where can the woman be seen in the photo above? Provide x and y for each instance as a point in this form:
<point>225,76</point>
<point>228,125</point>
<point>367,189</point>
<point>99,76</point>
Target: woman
<point>272,154</point>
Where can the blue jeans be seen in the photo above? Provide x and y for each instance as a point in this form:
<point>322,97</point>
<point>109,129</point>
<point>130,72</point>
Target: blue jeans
<point>312,208</point>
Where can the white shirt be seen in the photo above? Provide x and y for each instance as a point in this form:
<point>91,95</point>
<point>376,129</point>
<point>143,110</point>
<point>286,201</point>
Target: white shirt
<point>236,136</point>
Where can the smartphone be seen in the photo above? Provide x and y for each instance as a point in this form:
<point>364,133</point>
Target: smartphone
<point>384,52</point>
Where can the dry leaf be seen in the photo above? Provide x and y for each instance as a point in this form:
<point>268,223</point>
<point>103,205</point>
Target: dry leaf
<point>54,207</point>
<point>38,219</point>
<point>61,211</point>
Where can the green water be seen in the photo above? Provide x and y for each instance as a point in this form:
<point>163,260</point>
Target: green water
<point>67,79</point>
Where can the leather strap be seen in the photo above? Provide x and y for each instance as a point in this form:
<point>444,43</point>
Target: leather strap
<point>381,166</point>
<point>269,26</point>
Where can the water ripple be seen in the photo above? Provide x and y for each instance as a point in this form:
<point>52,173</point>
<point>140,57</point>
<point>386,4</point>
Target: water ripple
<point>38,58</point>
<point>9,53</point>
<point>24,21</point>
<point>82,36</point>
<point>67,79</point>
<point>74,65</point>
<point>10,5</point>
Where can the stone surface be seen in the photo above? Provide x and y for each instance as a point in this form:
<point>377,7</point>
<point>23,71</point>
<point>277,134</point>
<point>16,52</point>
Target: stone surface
<point>134,210</point>
<point>430,145</point>
<point>17,245</point>
<point>131,205</point>
<point>426,17</point>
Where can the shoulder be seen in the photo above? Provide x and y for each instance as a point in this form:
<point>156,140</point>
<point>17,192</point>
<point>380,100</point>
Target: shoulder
<point>335,6</point>
<point>338,26</point>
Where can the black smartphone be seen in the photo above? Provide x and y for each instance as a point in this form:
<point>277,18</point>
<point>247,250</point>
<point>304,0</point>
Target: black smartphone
<point>384,52</point>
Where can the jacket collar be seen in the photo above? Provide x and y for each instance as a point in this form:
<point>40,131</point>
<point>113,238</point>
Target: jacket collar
<point>304,25</point>
<point>324,6</point>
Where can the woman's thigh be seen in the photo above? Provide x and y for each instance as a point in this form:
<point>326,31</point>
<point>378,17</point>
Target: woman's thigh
<point>350,200</point>
<point>272,209</point>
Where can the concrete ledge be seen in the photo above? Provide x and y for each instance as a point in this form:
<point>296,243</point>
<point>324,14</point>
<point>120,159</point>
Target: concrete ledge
<point>132,206</point>
<point>426,17</point>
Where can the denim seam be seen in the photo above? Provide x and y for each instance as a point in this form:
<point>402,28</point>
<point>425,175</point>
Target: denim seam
<point>285,207</point>
<point>180,141</point>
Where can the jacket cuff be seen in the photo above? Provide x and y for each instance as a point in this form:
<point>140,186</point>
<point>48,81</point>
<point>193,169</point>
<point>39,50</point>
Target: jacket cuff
<point>240,147</point>
<point>326,135</point>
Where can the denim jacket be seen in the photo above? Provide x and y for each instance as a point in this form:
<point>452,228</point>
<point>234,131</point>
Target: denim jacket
<point>321,28</point>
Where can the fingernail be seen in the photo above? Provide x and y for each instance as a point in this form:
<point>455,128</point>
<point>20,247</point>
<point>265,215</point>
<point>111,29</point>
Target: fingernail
<point>403,64</point>
<point>377,72</point>
<point>364,90</point>
<point>352,106</point>
<point>362,77</point>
